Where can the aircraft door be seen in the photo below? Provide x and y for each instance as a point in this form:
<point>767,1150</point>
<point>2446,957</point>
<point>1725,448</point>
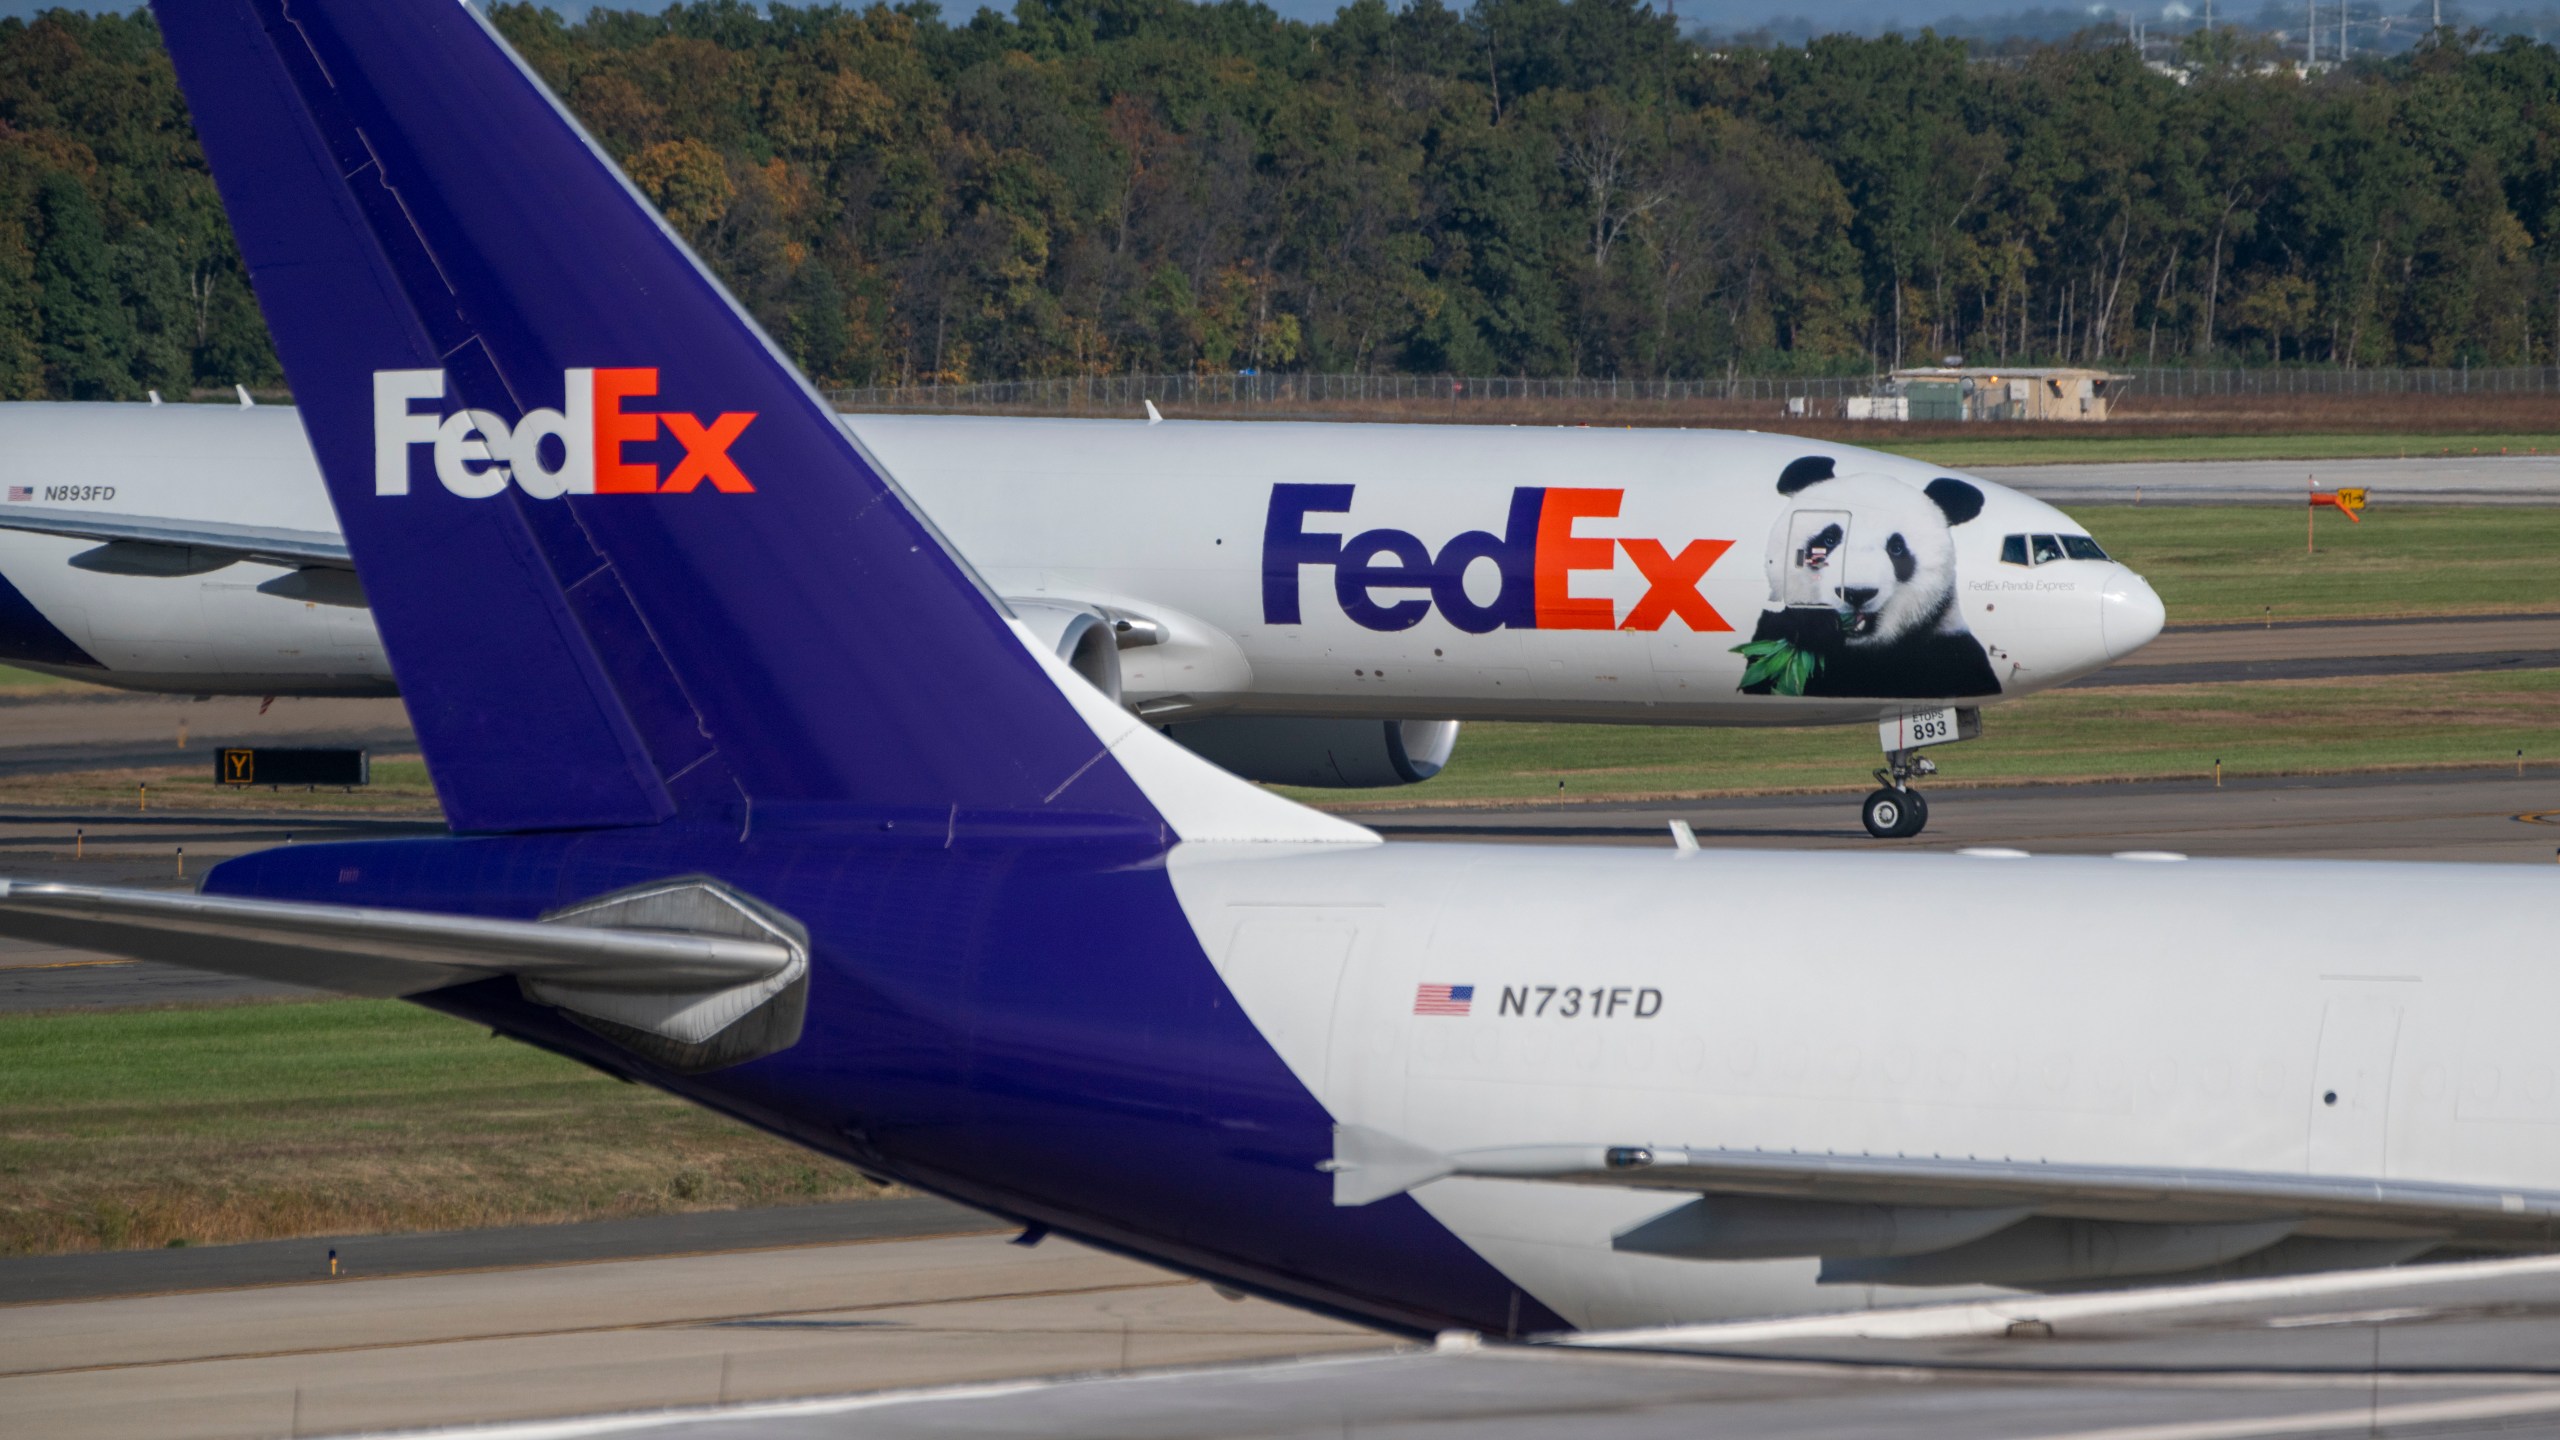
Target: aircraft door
<point>1817,542</point>
<point>2351,1086</point>
<point>1285,965</point>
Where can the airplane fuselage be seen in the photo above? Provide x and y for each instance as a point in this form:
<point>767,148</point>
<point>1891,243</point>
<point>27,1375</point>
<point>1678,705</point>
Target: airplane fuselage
<point>1459,572</point>
<point>1163,1068</point>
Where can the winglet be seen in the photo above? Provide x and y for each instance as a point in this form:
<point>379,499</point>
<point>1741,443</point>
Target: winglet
<point>1372,1165</point>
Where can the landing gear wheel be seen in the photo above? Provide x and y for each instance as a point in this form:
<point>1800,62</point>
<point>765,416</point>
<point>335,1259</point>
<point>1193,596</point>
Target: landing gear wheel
<point>1895,814</point>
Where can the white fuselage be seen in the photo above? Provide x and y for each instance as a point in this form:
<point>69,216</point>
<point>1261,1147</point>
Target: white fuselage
<point>2275,1017</point>
<point>1322,609</point>
<point>212,633</point>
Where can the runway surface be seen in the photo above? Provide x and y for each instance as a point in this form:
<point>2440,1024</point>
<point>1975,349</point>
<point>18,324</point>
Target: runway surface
<point>969,1335</point>
<point>2336,649</point>
<point>2417,480</point>
<point>1529,1393</point>
<point>2490,816</point>
<point>328,1358</point>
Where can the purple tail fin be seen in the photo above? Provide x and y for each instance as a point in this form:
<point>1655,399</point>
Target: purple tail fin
<point>626,563</point>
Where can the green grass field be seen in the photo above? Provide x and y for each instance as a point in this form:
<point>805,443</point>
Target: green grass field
<point>2282,728</point>
<point>15,682</point>
<point>2246,562</point>
<point>240,1122</point>
<point>2122,445</point>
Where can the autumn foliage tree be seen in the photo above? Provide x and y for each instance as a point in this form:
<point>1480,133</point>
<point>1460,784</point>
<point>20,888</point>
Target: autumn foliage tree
<point>1522,187</point>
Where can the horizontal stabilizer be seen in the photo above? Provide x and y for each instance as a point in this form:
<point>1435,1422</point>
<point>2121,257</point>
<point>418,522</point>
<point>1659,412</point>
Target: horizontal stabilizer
<point>679,962</point>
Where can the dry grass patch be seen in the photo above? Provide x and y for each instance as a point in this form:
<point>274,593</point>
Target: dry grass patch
<point>254,1122</point>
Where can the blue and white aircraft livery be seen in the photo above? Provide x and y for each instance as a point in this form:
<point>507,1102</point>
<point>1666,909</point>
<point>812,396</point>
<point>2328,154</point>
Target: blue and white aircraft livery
<point>1329,631</point>
<point>765,801</point>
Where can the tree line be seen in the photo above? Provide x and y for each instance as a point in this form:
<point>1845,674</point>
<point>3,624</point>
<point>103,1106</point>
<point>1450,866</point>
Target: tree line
<point>1535,187</point>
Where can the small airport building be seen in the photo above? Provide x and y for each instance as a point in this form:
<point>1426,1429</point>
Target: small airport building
<point>1986,393</point>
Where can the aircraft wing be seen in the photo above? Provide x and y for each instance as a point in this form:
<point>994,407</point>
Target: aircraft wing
<point>1900,1219</point>
<point>386,952</point>
<point>275,546</point>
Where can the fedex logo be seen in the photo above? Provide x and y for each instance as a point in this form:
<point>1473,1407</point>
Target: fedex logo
<point>1389,580</point>
<point>574,450</point>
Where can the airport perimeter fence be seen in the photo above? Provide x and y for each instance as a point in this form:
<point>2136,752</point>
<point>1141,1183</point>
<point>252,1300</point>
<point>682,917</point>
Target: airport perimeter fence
<point>2447,380</point>
<point>1122,393</point>
<point>1128,392</point>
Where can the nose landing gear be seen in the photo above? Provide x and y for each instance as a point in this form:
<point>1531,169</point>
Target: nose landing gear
<point>1897,812</point>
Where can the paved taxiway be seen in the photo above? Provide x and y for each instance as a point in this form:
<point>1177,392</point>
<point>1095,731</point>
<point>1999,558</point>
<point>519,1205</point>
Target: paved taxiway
<point>2336,649</point>
<point>328,1357</point>
<point>2486,815</point>
<point>928,1335</point>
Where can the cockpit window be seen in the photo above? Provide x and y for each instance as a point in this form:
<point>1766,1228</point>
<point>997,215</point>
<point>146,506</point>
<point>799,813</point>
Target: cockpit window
<point>2044,549</point>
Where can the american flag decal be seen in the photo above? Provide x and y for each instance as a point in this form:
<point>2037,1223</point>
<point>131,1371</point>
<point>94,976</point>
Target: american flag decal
<point>1444,999</point>
<point>22,492</point>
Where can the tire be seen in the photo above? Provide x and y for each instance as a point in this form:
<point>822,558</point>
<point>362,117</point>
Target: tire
<point>1884,814</point>
<point>1915,814</point>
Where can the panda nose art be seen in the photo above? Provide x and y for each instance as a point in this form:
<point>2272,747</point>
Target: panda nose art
<point>1857,596</point>
<point>2129,613</point>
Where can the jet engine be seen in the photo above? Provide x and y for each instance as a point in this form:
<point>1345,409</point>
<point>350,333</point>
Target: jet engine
<point>1084,637</point>
<point>1332,754</point>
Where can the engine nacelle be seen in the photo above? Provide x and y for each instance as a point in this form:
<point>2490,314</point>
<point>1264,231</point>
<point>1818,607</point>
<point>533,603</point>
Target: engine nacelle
<point>1331,754</point>
<point>1083,637</point>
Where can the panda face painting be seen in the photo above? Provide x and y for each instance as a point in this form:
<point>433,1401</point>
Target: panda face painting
<point>1862,588</point>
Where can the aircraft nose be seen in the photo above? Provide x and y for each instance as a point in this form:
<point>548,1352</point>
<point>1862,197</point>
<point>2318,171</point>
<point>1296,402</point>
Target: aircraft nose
<point>2129,613</point>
